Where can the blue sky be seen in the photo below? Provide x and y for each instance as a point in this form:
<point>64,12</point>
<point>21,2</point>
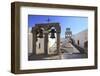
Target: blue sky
<point>76,23</point>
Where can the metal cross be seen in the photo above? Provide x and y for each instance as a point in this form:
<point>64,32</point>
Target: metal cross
<point>48,20</point>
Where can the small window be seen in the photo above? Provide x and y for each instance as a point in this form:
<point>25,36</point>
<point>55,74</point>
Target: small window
<point>78,42</point>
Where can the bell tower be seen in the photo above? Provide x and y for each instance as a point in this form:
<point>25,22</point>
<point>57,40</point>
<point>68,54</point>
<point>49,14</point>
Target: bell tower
<point>68,34</point>
<point>41,35</point>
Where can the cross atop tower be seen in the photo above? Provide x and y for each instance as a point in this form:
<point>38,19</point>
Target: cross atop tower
<point>48,20</point>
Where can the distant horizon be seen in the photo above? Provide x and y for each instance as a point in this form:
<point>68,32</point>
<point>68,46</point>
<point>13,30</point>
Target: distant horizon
<point>64,21</point>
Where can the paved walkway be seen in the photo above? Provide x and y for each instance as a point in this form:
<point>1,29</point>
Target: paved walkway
<point>75,50</point>
<point>69,48</point>
<point>67,56</point>
<point>68,51</point>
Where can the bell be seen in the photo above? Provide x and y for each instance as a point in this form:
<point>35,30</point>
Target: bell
<point>40,33</point>
<point>52,33</point>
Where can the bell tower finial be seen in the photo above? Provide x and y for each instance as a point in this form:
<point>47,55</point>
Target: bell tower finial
<point>48,20</point>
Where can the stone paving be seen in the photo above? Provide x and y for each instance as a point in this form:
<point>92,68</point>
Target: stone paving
<point>67,56</point>
<point>67,51</point>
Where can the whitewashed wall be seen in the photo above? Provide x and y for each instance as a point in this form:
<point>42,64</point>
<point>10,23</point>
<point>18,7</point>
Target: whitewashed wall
<point>82,37</point>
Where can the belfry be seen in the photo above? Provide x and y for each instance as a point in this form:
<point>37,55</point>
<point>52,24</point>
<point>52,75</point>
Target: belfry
<point>46,39</point>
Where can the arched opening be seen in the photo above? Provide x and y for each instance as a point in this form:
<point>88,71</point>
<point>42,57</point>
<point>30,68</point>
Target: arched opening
<point>40,41</point>
<point>52,41</point>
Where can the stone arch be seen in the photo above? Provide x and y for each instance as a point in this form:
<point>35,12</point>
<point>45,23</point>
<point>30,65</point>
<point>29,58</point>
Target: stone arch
<point>46,26</point>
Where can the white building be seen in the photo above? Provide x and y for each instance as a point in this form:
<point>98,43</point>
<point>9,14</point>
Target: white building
<point>30,42</point>
<point>81,39</point>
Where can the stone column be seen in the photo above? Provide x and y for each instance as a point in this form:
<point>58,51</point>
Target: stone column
<point>34,42</point>
<point>58,43</point>
<point>46,44</point>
